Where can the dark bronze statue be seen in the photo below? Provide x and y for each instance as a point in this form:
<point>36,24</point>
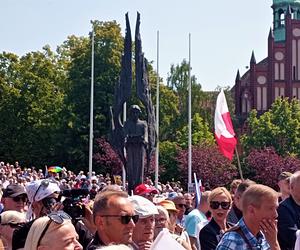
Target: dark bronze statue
<point>136,136</point>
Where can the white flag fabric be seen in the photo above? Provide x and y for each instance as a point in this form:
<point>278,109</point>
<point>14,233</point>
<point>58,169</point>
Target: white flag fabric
<point>224,132</point>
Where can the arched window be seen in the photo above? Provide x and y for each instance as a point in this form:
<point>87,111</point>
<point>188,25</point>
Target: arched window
<point>294,14</point>
<point>281,18</point>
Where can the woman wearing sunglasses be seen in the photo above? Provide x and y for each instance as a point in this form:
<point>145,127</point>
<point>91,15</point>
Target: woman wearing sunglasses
<point>54,231</point>
<point>219,205</point>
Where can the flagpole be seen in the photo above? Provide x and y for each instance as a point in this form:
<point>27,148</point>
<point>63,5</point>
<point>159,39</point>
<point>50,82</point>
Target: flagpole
<point>190,119</point>
<point>123,167</point>
<point>239,163</point>
<point>91,111</point>
<point>157,115</point>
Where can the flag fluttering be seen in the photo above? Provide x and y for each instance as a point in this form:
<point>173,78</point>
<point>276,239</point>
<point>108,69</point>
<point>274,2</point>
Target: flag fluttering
<point>198,190</point>
<point>224,132</point>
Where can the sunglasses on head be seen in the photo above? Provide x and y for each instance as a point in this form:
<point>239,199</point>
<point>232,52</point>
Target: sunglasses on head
<point>20,198</point>
<point>44,184</point>
<point>125,219</point>
<point>58,217</point>
<point>224,205</point>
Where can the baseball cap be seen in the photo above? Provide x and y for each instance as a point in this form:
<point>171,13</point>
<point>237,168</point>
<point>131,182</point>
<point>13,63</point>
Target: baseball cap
<point>145,189</point>
<point>169,205</point>
<point>142,206</point>
<point>13,190</point>
<point>12,216</point>
<point>284,175</point>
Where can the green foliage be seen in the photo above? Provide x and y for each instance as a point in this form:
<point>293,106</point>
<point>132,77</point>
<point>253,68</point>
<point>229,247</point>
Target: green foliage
<point>178,80</point>
<point>168,152</point>
<point>30,107</point>
<point>201,133</point>
<point>278,128</point>
<point>77,52</point>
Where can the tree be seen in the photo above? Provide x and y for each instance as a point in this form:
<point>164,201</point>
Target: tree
<point>168,167</point>
<point>265,165</point>
<point>178,80</point>
<point>77,52</point>
<point>201,133</point>
<point>106,160</point>
<point>209,164</point>
<point>279,128</point>
<point>31,107</point>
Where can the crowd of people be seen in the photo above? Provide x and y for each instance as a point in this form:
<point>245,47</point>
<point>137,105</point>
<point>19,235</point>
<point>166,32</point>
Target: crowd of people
<point>45,210</point>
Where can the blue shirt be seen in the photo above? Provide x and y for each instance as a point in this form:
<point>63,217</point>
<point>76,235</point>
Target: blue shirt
<point>233,240</point>
<point>194,222</point>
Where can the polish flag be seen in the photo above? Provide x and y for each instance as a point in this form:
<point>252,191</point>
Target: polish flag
<point>224,132</point>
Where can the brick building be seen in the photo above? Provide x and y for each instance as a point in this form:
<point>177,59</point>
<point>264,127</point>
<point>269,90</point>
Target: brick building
<point>278,75</point>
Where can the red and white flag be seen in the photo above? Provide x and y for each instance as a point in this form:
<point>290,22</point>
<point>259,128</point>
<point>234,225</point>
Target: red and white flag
<point>224,132</point>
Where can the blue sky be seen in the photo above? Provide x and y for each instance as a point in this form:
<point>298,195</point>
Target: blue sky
<point>224,33</point>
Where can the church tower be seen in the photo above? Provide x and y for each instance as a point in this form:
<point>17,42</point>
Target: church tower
<point>280,9</point>
<point>277,75</point>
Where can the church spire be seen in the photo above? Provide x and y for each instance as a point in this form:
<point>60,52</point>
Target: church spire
<point>253,60</point>
<point>238,77</point>
<point>289,11</point>
<point>271,35</point>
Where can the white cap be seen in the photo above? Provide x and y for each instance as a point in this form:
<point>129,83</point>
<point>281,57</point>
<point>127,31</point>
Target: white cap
<point>142,206</point>
<point>40,189</point>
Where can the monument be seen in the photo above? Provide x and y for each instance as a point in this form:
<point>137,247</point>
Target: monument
<point>135,139</point>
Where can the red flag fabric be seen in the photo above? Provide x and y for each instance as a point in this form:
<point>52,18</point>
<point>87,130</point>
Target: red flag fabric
<point>224,132</point>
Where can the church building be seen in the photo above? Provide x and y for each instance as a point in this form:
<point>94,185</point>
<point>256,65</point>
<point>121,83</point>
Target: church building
<point>278,75</point>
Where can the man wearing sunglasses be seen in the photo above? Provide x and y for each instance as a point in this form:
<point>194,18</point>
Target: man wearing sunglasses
<point>14,198</point>
<point>114,218</point>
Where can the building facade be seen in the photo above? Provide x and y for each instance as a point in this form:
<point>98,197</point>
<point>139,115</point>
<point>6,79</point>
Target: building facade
<point>278,75</point>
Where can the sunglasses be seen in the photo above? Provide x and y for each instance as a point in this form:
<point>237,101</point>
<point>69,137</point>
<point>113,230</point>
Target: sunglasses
<point>20,198</point>
<point>12,225</point>
<point>180,205</point>
<point>49,202</point>
<point>125,219</point>
<point>224,205</point>
<point>57,217</point>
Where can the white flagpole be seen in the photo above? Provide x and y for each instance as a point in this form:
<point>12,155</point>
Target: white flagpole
<point>123,167</point>
<point>157,115</point>
<point>190,119</point>
<point>91,111</point>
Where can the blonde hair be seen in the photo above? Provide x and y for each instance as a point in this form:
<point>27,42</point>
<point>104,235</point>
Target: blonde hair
<point>162,210</point>
<point>37,229</point>
<point>218,191</point>
<point>256,194</point>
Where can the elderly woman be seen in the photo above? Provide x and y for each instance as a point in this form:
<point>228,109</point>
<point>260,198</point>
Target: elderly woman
<point>54,231</point>
<point>171,216</point>
<point>219,204</point>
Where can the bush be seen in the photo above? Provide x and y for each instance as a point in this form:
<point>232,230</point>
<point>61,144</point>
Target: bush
<point>210,166</point>
<point>266,165</point>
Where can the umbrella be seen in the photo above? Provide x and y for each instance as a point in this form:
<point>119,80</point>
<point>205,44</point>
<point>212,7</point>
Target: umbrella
<point>54,169</point>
